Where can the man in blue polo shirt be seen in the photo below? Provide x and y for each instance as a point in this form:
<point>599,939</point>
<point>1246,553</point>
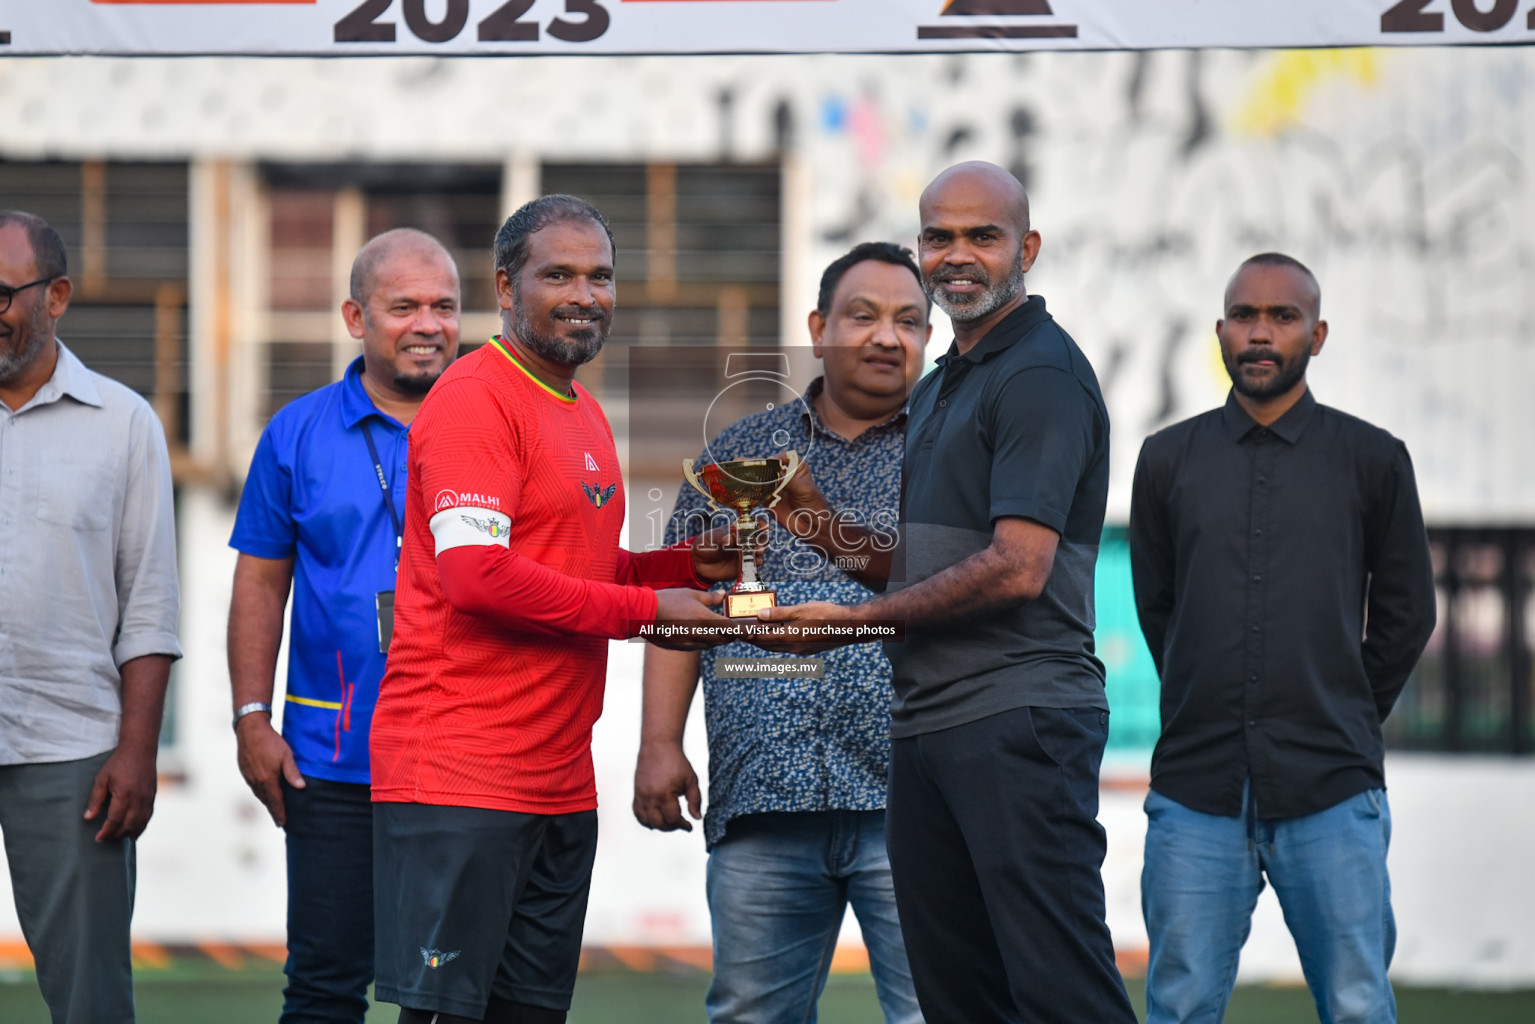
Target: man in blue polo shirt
<point>322,513</point>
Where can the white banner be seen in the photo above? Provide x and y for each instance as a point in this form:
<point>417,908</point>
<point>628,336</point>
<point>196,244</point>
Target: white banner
<point>357,27</point>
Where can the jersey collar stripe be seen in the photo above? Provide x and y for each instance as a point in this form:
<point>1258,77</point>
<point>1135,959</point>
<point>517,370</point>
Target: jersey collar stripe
<point>504,350</point>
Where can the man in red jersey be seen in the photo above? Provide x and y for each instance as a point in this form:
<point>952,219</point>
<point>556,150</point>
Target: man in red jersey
<point>511,585</point>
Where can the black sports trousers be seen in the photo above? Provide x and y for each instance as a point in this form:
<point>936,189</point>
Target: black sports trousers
<point>996,850</point>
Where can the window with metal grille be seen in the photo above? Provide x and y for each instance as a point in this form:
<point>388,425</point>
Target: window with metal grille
<point>125,226</point>
<point>699,264</point>
<point>1474,689</point>
<point>319,215</point>
<point>698,254</point>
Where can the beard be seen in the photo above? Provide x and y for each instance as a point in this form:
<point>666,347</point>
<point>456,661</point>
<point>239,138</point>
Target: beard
<point>993,296</point>
<point>415,383</point>
<point>1286,378</point>
<point>574,349</point>
<point>20,344</point>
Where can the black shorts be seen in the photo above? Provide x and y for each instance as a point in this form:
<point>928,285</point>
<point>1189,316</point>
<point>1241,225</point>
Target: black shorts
<point>472,903</point>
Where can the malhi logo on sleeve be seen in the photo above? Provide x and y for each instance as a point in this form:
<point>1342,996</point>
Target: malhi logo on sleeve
<point>449,498</point>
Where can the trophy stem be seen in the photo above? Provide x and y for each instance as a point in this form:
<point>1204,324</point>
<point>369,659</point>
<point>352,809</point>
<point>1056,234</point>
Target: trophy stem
<point>746,529</point>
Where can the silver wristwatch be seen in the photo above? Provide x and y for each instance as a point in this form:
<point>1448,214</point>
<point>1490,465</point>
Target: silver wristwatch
<point>249,709</point>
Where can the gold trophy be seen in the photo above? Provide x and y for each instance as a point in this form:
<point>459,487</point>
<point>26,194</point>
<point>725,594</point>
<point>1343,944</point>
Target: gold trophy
<point>744,484</point>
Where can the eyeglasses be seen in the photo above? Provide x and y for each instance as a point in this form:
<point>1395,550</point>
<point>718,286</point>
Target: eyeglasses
<point>8,293</point>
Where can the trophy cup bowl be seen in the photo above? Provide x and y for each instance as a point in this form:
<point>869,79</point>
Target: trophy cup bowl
<point>743,485</point>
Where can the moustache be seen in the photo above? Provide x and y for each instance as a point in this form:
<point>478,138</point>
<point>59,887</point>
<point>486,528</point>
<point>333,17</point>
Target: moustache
<point>581,312</point>
<point>1258,355</point>
<point>975,274</point>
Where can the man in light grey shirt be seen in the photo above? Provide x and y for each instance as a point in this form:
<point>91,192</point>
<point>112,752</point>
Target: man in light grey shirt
<point>88,609</point>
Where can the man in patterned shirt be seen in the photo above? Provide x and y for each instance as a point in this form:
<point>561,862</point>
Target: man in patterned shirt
<point>796,822</point>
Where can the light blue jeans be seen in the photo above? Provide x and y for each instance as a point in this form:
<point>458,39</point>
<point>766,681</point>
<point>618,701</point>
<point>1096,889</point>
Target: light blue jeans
<point>1201,881</point>
<point>778,885</point>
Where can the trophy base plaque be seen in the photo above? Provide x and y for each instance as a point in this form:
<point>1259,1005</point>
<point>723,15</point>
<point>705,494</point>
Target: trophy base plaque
<point>745,604</point>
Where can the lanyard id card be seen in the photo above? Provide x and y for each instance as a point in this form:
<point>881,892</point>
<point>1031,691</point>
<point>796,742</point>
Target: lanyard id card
<point>384,602</point>
<point>383,483</point>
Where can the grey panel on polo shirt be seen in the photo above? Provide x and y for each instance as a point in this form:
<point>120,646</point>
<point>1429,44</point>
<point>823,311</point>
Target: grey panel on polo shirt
<point>1014,427</point>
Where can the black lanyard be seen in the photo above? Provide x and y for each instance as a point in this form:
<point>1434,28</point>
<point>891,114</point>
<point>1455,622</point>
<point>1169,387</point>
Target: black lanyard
<point>383,482</point>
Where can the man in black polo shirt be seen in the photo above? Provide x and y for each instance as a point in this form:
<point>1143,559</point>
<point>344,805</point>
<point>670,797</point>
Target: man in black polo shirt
<point>1284,585</point>
<point>999,717</point>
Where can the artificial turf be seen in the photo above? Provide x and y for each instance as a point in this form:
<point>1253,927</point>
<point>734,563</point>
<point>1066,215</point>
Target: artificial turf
<point>626,997</point>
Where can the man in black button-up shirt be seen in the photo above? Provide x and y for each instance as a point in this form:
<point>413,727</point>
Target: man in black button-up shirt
<point>1283,581</point>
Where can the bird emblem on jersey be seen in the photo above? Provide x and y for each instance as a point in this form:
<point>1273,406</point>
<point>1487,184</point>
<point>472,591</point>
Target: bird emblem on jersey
<point>490,526</point>
<point>598,494</point>
<point>435,958</point>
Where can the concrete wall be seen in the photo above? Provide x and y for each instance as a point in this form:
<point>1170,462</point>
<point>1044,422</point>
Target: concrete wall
<point>1402,177</point>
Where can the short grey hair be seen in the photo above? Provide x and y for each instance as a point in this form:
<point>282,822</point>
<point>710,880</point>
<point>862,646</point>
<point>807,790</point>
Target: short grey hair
<point>47,247</point>
<point>511,249</point>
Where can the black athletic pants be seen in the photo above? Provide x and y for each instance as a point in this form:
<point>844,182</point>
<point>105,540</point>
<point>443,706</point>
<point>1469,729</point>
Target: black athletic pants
<point>995,850</point>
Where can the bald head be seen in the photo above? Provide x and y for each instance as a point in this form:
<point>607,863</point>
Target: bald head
<point>406,242</point>
<point>986,183</point>
<point>976,246</point>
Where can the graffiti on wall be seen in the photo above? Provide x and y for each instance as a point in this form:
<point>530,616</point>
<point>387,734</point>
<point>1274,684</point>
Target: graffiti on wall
<point>1401,179</point>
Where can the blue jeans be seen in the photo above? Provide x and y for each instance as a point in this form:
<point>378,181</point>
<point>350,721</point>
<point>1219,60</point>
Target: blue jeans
<point>778,885</point>
<point>330,902</point>
<point>1202,877</point>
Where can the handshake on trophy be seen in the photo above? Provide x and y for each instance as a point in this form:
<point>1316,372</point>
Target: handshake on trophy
<point>744,485</point>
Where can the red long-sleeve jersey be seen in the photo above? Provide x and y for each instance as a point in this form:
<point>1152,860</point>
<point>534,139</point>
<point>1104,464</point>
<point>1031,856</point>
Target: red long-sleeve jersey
<point>511,584</point>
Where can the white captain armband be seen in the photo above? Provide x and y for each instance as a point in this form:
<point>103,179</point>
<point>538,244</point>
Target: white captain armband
<point>463,526</point>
